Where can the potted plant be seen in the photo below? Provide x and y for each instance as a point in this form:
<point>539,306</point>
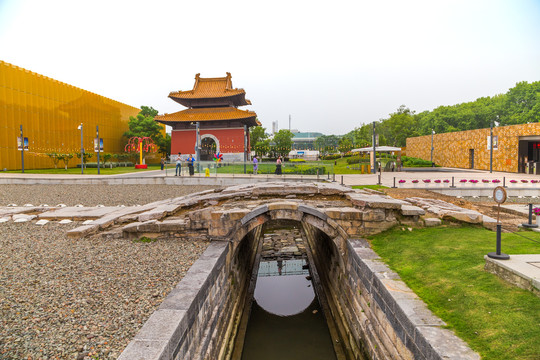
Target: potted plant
<point>513,182</point>
<point>415,183</point>
<point>485,181</point>
<point>402,182</point>
<point>495,181</point>
<point>473,181</point>
<point>463,182</point>
<point>524,182</point>
<point>536,212</point>
<point>427,182</point>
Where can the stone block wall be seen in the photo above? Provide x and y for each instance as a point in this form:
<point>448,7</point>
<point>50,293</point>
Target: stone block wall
<point>199,318</point>
<point>452,149</point>
<point>377,315</point>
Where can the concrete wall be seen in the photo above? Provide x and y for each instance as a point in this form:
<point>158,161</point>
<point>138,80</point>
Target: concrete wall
<point>452,149</point>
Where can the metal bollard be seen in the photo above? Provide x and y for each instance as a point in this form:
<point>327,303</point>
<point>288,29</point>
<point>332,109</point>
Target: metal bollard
<point>530,224</point>
<point>504,181</point>
<point>393,187</point>
<point>341,179</point>
<point>452,186</point>
<point>498,254</point>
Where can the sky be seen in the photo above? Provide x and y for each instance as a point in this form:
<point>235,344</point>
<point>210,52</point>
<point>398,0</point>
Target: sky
<point>331,65</point>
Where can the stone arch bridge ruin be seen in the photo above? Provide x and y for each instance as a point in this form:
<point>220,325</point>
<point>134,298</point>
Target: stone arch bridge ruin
<point>371,313</point>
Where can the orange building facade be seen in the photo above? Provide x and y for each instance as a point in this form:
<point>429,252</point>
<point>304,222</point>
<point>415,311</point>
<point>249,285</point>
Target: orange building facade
<point>213,107</point>
<point>516,148</point>
<point>50,113</point>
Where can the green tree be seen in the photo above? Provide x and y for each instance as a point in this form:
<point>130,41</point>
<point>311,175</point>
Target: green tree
<point>327,143</point>
<point>345,144</point>
<point>258,138</point>
<point>398,127</point>
<point>143,125</point>
<point>164,145</point>
<point>86,156</point>
<point>65,159</point>
<point>283,141</point>
<point>55,157</point>
<point>105,157</point>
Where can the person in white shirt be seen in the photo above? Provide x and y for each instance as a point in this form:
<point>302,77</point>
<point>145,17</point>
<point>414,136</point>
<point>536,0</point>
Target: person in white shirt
<point>178,165</point>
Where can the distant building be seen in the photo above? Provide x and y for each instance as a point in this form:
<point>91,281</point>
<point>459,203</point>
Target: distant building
<point>213,104</point>
<point>50,113</point>
<point>516,148</point>
<point>274,127</point>
<point>308,155</point>
<point>304,140</point>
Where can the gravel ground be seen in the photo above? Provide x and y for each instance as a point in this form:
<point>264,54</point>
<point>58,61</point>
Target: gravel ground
<point>63,298</point>
<point>92,195</point>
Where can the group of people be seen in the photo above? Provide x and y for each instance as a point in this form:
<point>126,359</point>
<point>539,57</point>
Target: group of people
<point>190,163</point>
<point>256,165</point>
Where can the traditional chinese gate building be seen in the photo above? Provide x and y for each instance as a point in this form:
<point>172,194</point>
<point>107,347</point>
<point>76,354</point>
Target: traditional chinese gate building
<point>213,109</point>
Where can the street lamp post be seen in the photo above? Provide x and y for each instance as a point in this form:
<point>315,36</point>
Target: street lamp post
<point>246,144</point>
<point>491,147</point>
<point>374,169</point>
<point>82,149</point>
<point>22,150</point>
<point>98,147</point>
<point>432,133</point>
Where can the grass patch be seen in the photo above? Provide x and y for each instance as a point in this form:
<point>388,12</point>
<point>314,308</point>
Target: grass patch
<point>445,267</point>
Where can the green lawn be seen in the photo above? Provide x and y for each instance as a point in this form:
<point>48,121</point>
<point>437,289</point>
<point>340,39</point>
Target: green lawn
<point>445,267</point>
<point>89,171</point>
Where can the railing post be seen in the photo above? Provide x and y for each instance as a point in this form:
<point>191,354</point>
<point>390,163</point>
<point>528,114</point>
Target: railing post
<point>498,255</point>
<point>530,224</point>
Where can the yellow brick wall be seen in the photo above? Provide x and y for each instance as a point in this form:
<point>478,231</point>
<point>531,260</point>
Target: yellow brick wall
<point>452,149</point>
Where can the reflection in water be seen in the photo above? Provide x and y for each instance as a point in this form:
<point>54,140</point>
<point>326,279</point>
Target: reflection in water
<point>286,320</point>
<point>283,295</point>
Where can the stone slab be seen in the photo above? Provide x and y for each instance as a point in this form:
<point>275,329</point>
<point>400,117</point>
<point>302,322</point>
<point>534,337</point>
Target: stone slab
<point>431,222</point>
<point>411,210</point>
<point>77,213</point>
<point>524,268</point>
<point>254,213</point>
<point>312,211</point>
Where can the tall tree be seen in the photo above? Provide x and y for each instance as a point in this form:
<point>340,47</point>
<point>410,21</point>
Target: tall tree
<point>144,125</point>
<point>283,141</point>
<point>256,134</point>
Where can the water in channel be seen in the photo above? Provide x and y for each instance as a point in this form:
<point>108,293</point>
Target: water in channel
<point>286,320</point>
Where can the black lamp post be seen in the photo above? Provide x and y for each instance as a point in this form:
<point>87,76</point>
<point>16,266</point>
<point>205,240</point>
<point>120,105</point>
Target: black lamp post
<point>432,133</point>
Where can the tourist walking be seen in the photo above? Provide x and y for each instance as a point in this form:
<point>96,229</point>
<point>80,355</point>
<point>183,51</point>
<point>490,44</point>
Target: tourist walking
<point>191,161</point>
<point>278,166</point>
<point>162,163</point>
<point>178,165</point>
<point>255,165</point>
